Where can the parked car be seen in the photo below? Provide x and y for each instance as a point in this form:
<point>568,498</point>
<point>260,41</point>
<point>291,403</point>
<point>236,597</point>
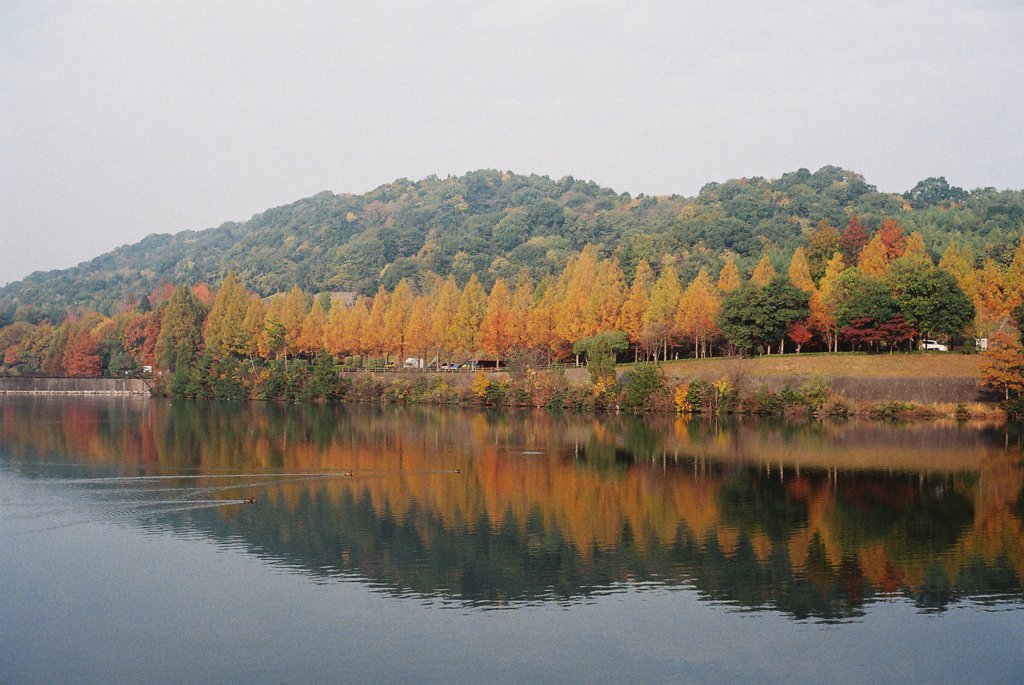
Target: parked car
<point>934,345</point>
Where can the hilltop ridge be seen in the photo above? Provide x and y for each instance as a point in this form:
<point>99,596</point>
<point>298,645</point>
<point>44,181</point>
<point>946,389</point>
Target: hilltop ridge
<point>494,223</point>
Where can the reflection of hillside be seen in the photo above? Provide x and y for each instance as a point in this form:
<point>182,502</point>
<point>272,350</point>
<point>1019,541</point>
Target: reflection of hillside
<point>551,507</point>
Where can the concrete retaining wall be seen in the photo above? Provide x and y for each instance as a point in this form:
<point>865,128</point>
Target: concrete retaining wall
<point>73,386</point>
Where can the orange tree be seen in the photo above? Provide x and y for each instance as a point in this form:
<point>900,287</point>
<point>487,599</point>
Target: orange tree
<point>1002,364</point>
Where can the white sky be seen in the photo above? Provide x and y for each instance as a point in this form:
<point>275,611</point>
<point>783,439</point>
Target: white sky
<point>120,118</point>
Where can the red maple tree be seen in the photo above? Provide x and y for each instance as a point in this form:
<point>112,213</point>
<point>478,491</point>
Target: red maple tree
<point>82,358</point>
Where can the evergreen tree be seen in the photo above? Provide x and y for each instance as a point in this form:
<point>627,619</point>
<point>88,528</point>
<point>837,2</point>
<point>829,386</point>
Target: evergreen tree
<point>180,330</point>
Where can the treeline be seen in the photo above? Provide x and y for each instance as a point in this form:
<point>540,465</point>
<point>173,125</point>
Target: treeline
<point>492,224</point>
<point>235,343</point>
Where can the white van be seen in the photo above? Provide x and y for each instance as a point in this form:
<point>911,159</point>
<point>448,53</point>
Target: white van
<point>934,345</point>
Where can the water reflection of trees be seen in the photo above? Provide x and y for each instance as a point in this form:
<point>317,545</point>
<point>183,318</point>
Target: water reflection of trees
<point>805,518</point>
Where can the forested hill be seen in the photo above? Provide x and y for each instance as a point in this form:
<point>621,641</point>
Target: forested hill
<point>493,223</point>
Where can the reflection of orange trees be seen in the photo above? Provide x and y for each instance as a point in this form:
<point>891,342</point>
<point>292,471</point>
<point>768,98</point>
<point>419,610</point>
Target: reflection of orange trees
<point>592,481</point>
<point>996,530</point>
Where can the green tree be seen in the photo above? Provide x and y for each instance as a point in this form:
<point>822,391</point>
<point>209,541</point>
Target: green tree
<point>821,245</point>
<point>931,299</point>
<point>934,191</point>
<point>180,330</point>
<point>323,383</point>
<point>753,315</point>
<point>600,350</point>
<point>857,295</point>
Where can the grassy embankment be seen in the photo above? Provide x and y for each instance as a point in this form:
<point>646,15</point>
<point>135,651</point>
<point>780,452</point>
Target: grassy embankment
<point>924,383</point>
<point>876,385</point>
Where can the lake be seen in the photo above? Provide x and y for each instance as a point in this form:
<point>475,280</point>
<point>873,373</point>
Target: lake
<point>444,545</point>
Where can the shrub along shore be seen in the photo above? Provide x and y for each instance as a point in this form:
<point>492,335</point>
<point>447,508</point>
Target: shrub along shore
<point>710,387</point>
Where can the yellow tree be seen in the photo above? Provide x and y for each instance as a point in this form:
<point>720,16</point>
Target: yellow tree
<point>293,315</point>
<point>224,333</point>
<point>605,298</point>
<point>470,312</point>
<point>993,299</point>
<point>916,251</point>
<point>496,328</point>
<point>396,319</point>
<point>823,302</point>
<point>540,323</point>
<point>311,336</point>
<point>698,311</point>
<point>660,317</point>
<point>354,336</point>
<point>372,332</point>
<point>522,302</point>
<point>800,271</point>
<point>274,330</point>
<point>575,284</point>
<point>334,330</point>
<point>764,272</point>
<point>445,302</point>
<point>631,316</point>
<point>254,331</point>
<point>1015,276</point>
<point>418,333</point>
<point>729,278</point>
<point>960,262</point>
<point>874,260</point>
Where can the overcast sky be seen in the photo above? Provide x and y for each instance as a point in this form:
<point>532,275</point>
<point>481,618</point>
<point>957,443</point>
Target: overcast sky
<point>120,119</point>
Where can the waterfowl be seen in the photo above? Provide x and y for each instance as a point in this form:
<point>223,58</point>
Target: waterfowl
<point>249,500</point>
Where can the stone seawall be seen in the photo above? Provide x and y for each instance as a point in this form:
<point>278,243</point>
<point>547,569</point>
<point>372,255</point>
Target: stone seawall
<point>73,386</point>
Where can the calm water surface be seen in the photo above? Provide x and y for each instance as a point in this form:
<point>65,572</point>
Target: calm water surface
<point>432,545</point>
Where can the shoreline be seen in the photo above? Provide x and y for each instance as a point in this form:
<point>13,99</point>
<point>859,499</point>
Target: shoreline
<point>914,386</point>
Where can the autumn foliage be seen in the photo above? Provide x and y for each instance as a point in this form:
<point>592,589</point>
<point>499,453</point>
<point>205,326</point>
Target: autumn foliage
<point>810,300</point>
